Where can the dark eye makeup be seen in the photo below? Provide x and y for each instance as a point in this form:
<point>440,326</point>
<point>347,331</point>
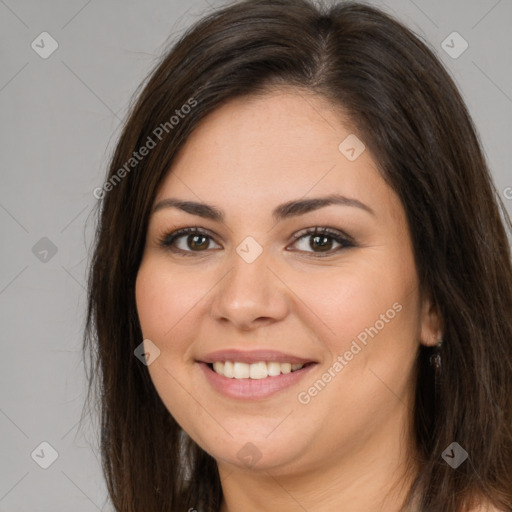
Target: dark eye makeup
<point>322,241</point>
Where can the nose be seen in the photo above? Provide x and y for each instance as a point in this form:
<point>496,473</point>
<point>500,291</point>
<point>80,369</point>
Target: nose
<point>250,295</point>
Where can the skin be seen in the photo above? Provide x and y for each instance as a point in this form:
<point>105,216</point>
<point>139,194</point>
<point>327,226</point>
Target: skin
<point>351,444</point>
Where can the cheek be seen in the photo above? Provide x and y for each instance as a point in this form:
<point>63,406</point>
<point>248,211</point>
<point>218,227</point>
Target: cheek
<point>368,321</point>
<point>361,302</point>
<point>165,306</point>
<point>165,299</point>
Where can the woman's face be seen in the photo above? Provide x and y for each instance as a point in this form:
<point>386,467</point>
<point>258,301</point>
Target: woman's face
<point>257,285</point>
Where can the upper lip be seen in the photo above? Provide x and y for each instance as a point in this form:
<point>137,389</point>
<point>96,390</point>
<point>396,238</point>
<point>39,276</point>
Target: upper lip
<point>252,356</point>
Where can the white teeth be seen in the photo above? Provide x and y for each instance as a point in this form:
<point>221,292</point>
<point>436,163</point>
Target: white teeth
<point>259,370</point>
<point>228,370</point>
<point>240,370</point>
<point>273,368</point>
<point>286,368</point>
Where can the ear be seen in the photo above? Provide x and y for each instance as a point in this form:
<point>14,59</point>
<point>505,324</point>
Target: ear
<point>431,328</point>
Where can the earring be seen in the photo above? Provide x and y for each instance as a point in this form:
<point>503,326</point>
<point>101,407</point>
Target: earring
<point>436,363</point>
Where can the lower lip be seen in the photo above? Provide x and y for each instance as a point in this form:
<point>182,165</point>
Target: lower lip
<point>247,389</point>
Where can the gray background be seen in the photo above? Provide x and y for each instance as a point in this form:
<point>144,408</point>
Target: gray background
<point>60,118</point>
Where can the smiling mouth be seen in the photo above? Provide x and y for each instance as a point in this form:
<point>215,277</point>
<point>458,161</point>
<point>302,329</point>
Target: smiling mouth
<point>256,371</point>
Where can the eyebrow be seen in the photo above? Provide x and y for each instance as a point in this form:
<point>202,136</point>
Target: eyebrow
<point>283,211</point>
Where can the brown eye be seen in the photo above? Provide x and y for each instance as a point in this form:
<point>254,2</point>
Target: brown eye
<point>321,243</point>
<point>188,240</point>
<point>197,242</point>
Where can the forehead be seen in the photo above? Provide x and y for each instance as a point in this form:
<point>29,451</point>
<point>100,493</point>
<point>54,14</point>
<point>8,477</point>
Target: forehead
<point>284,128</point>
<point>267,149</point>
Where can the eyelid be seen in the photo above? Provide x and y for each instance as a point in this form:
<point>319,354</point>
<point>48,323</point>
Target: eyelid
<point>167,239</point>
<point>323,230</point>
<point>345,241</point>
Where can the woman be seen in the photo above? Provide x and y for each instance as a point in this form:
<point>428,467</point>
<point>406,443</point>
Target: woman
<point>300,297</point>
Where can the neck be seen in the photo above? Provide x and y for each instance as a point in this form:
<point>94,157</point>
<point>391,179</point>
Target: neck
<point>375,476</point>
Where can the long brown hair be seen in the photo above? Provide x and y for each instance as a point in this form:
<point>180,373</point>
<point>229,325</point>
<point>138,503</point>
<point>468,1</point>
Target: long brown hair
<point>412,118</point>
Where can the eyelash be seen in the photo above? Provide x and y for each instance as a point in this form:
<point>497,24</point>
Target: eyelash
<point>344,240</point>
